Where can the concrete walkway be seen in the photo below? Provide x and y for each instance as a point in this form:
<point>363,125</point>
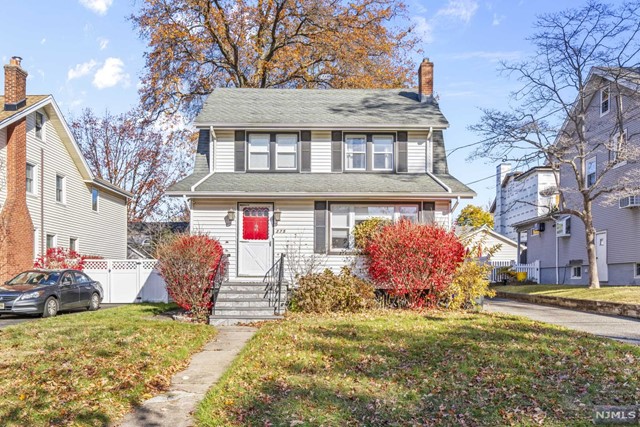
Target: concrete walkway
<point>188,388</point>
<point>617,328</point>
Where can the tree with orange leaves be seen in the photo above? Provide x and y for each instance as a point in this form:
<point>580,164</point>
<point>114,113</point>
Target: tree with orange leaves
<point>198,45</point>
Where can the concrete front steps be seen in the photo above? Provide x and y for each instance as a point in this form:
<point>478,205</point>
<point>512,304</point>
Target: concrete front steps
<point>244,302</point>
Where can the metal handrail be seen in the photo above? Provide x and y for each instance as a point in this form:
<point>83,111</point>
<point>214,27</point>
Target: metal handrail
<point>273,280</point>
<point>220,274</point>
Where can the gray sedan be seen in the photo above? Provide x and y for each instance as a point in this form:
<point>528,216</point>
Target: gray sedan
<point>45,292</point>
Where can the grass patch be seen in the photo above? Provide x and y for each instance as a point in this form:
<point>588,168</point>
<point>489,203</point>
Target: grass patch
<point>91,368</point>
<point>394,368</point>
<point>622,294</point>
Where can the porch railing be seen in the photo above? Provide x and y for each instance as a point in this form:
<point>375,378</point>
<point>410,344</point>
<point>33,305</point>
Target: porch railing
<point>220,275</point>
<point>273,281</point>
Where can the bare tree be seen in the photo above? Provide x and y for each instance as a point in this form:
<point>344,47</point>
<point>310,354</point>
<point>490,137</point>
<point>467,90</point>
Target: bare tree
<point>133,153</point>
<point>555,116</point>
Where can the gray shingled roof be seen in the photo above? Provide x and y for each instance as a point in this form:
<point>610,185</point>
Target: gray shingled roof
<point>256,184</point>
<point>233,107</point>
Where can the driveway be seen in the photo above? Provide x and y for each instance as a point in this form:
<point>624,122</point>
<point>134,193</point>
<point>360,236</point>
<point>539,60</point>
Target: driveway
<point>10,319</point>
<point>617,328</point>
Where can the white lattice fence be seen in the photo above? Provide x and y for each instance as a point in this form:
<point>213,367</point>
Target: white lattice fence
<point>128,280</point>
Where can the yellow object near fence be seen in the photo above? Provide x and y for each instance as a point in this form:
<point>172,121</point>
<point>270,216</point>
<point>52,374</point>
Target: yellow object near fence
<point>521,276</point>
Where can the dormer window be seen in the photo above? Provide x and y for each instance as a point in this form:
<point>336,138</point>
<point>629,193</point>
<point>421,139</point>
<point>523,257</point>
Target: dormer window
<point>605,96</point>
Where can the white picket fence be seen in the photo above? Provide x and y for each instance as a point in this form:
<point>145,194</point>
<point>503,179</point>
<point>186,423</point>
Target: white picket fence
<point>128,280</point>
<point>532,270</point>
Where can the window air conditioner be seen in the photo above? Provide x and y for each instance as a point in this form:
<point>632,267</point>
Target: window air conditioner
<point>630,202</point>
<point>563,227</point>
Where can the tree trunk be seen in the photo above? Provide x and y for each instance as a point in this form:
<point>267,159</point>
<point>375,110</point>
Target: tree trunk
<point>590,234</point>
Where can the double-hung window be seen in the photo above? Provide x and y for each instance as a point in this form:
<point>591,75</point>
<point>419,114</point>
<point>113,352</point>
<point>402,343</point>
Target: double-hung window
<point>345,217</point>
<point>355,152</point>
<point>591,172</point>
<point>383,152</point>
<point>286,151</point>
<point>60,190</point>
<point>95,197</point>
<point>605,99</point>
<point>617,144</point>
<point>259,151</point>
<point>31,181</point>
<point>39,125</point>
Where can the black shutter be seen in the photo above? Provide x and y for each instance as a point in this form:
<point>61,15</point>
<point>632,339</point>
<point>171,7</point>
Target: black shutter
<point>402,153</point>
<point>272,151</point>
<point>428,212</point>
<point>369,153</point>
<point>240,150</point>
<point>320,228</point>
<point>305,148</point>
<point>336,151</point>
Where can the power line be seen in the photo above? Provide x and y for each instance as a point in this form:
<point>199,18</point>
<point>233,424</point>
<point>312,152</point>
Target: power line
<point>482,179</point>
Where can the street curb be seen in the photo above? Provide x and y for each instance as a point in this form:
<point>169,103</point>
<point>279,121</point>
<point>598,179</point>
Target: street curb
<point>590,306</point>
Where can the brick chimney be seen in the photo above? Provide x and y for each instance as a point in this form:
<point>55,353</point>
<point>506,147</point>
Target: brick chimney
<point>15,85</point>
<point>425,80</point>
<point>16,226</point>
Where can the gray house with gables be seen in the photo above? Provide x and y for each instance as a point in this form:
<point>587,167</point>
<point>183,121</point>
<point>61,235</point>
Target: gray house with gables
<point>282,170</point>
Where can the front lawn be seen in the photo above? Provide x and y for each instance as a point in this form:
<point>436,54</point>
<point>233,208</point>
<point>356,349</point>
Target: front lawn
<point>622,294</point>
<point>91,368</point>
<point>394,368</point>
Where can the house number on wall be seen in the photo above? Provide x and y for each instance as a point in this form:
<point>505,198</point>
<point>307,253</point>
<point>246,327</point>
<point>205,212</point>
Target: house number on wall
<point>281,230</point>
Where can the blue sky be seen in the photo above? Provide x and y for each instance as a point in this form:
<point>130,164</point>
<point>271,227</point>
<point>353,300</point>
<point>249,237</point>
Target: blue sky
<point>87,54</point>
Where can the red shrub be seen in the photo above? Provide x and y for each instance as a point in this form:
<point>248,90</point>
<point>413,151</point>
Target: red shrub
<point>188,265</point>
<point>61,258</point>
<point>414,261</point>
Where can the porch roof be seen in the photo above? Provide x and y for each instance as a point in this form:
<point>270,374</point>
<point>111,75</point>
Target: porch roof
<point>321,184</point>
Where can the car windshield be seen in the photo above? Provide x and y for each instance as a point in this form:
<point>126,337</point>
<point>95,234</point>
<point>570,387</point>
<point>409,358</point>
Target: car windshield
<point>35,278</point>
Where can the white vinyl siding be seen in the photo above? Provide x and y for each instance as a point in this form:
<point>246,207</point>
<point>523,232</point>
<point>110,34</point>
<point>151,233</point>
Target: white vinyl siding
<point>321,151</point>
<point>416,152</point>
<point>223,151</point>
<point>104,233</point>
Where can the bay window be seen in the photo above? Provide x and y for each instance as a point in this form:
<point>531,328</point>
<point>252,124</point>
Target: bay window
<point>344,217</point>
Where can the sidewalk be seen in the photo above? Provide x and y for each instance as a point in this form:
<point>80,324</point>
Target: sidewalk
<point>174,408</point>
<point>617,328</point>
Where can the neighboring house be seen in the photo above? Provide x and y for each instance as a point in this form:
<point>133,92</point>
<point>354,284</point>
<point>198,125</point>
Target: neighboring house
<point>507,249</point>
<point>143,236</point>
<point>286,170</point>
<point>521,196</point>
<point>48,195</point>
<point>558,241</point>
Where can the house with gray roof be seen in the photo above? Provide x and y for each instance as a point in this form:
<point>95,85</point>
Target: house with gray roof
<point>294,170</point>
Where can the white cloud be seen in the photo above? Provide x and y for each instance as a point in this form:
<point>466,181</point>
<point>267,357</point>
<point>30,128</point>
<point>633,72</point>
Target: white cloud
<point>459,9</point>
<point>497,19</point>
<point>81,70</point>
<point>488,55</point>
<point>103,42</point>
<point>111,74</point>
<point>423,28</point>
<point>43,41</point>
<point>98,6</point>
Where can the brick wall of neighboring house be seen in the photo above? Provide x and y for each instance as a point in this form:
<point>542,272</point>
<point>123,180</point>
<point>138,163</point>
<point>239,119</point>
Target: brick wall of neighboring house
<point>16,227</point>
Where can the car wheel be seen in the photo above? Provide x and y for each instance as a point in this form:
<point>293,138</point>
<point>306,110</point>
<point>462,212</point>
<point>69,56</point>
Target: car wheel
<point>94,302</point>
<point>50,307</point>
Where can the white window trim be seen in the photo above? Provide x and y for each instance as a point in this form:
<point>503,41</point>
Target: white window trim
<point>608,89</point>
<point>77,249</point>
<point>573,267</point>
<point>249,151</point>
<point>616,142</point>
<point>34,184</point>
<point>296,151</point>
<point>352,219</point>
<point>54,240</point>
<point>346,152</point>
<point>373,155</point>
<point>64,189</point>
<point>97,209</point>
<point>593,159</point>
<point>635,270</point>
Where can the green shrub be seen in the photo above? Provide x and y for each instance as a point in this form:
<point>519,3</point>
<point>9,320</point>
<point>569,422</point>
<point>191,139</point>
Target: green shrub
<point>363,232</point>
<point>327,292</point>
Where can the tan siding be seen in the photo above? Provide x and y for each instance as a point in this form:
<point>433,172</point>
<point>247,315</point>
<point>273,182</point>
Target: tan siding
<point>416,152</point>
<point>321,151</point>
<point>102,233</point>
<point>223,151</point>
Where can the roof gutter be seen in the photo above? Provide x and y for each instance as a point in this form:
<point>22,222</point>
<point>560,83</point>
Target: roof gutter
<point>316,126</point>
<point>280,195</point>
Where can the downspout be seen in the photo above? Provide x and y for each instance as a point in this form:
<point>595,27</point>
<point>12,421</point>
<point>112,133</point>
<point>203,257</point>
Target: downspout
<point>557,260</point>
<point>42,244</point>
